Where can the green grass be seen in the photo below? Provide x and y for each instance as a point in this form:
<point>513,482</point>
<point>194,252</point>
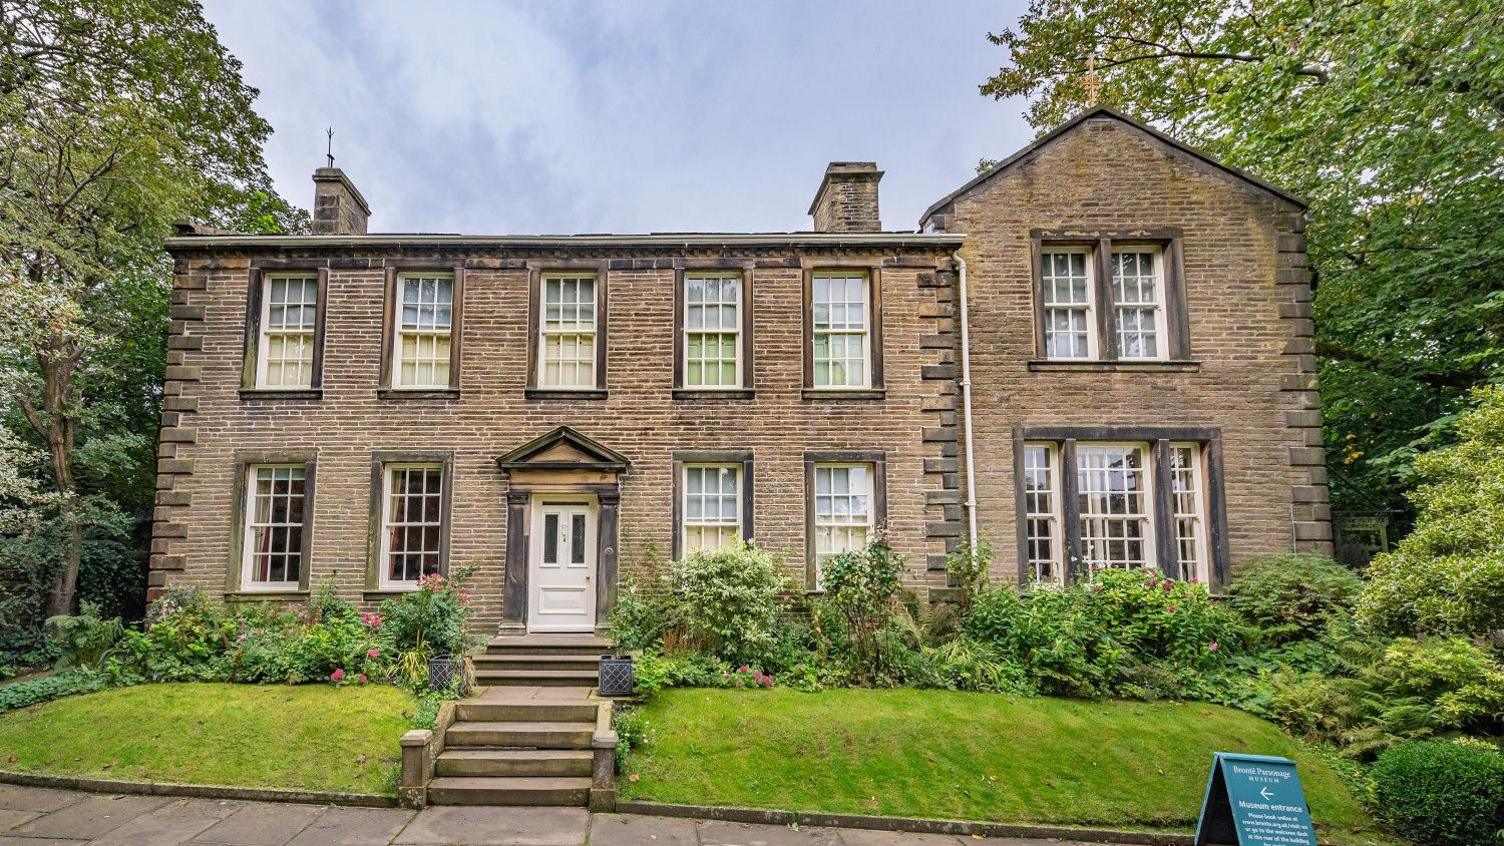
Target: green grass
<point>939,754</point>
<point>311,737</point>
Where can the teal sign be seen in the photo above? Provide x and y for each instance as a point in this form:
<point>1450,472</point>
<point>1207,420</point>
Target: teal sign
<point>1254,800</point>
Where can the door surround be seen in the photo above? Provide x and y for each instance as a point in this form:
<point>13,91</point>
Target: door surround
<point>560,464</point>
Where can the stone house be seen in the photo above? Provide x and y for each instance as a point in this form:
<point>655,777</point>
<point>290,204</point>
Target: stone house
<point>1096,354</point>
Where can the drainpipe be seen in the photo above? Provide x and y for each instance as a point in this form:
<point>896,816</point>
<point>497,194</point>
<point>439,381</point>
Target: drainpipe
<point>971,467</point>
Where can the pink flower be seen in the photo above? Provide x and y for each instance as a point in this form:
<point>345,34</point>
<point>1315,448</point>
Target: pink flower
<point>1167,585</point>
<point>372,621</point>
<point>338,675</point>
<point>1211,647</point>
<point>767,681</point>
<point>744,669</point>
<point>362,679</point>
<point>373,652</point>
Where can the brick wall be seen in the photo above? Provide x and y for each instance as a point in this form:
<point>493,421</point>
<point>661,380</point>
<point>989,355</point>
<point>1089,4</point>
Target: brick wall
<point>206,421</point>
<point>1248,303</point>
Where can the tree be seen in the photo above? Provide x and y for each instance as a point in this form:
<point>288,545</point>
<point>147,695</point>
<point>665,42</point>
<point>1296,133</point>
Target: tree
<point>1387,117</point>
<point>119,117</point>
<point>1447,576</point>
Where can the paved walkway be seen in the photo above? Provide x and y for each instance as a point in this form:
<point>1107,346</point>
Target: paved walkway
<point>31,816</point>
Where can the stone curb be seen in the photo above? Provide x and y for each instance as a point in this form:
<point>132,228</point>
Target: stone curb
<point>912,824</point>
<point>198,791</point>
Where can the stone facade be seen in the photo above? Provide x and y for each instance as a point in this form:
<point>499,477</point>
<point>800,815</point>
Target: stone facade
<point>1248,373</point>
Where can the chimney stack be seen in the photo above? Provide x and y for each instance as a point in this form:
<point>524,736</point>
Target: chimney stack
<point>847,199</point>
<point>338,208</point>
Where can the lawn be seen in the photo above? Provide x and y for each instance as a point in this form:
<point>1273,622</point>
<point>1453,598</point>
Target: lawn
<point>939,754</point>
<point>310,737</point>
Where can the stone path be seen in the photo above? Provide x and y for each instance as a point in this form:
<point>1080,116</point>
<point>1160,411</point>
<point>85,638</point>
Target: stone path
<point>32,816</point>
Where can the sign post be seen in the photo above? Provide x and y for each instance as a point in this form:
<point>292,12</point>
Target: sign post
<point>1254,800</point>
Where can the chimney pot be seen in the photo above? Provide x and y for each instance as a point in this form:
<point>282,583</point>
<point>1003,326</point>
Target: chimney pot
<point>338,208</point>
<point>847,199</point>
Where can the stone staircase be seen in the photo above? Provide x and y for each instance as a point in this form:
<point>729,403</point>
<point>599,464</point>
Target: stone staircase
<point>535,734</point>
<point>541,660</point>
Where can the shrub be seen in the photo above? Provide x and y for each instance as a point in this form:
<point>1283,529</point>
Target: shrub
<point>655,672</point>
<point>82,640</point>
<point>631,729</point>
<point>729,600</point>
<point>965,664</point>
<point>47,688</point>
<point>863,622</point>
<point>1290,598</point>
<point>1446,794</point>
<point>1447,576</point>
<point>188,638</point>
<point>429,622</point>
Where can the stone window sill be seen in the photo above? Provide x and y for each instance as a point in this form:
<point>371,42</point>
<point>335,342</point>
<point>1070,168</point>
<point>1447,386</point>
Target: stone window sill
<point>266,595</point>
<point>827,395</point>
<point>385,593</point>
<point>281,394</point>
<point>566,393</point>
<point>418,393</point>
<point>1174,366</point>
<point>713,394</point>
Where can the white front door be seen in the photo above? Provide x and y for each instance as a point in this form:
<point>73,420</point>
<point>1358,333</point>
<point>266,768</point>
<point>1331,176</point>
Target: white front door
<point>561,555</point>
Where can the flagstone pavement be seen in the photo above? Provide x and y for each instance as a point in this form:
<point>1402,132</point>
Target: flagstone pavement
<point>32,816</point>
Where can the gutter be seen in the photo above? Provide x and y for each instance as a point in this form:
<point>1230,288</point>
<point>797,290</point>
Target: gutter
<point>971,467</point>
<point>921,240</point>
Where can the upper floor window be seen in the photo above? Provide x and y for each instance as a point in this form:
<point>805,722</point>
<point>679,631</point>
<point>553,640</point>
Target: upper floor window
<point>425,317</point>
<point>713,330</point>
<point>275,542</point>
<point>841,329</point>
<point>289,320</point>
<point>712,508</point>
<point>1110,301</point>
<point>567,355</point>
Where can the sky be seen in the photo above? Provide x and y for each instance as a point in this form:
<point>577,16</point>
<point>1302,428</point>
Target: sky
<point>629,117</point>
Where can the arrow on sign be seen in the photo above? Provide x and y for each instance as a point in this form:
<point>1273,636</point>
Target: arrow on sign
<point>1264,792</point>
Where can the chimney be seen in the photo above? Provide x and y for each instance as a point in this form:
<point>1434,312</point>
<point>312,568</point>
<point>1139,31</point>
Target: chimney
<point>847,199</point>
<point>338,209</point>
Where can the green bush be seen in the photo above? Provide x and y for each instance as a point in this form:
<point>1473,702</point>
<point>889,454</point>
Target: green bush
<point>47,688</point>
<point>83,640</point>
<point>188,638</point>
<point>1447,576</point>
<point>864,623</point>
<point>655,671</point>
<point>1442,794</point>
<point>631,728</point>
<point>729,600</point>
<point>1290,598</point>
<point>432,621</point>
<point>965,664</point>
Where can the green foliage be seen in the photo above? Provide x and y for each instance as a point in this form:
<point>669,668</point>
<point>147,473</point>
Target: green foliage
<point>1447,576</point>
<point>863,623</point>
<point>1130,633</point>
<point>83,640</point>
<point>1385,117</point>
<point>47,688</point>
<point>645,607</point>
<point>1290,598</point>
<point>1446,794</point>
<point>655,671</point>
<point>631,727</point>
<point>430,622</point>
<point>965,664</point>
<point>967,568</point>
<point>188,638</point>
<point>728,600</point>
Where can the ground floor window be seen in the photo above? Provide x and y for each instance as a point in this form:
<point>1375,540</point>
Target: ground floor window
<point>1135,504</point>
<point>412,526</point>
<point>712,506</point>
<point>843,518</point>
<point>275,522</point>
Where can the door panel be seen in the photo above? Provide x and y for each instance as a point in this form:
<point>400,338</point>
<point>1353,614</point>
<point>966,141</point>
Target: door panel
<point>562,558</point>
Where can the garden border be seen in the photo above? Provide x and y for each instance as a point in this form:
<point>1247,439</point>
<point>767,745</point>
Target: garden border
<point>918,825</point>
<point>198,791</point>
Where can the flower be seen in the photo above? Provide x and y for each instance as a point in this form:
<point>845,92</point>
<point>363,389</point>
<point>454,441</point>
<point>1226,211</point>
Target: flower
<point>632,777</point>
<point>373,652</point>
<point>744,669</point>
<point>362,678</point>
<point>1212,647</point>
<point>338,675</point>
<point>371,621</point>
<point>1167,585</point>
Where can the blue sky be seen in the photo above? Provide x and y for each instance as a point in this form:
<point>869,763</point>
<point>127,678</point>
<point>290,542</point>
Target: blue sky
<point>490,118</point>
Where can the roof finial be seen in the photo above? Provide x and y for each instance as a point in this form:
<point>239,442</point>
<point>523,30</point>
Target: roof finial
<point>1091,81</point>
<point>329,149</point>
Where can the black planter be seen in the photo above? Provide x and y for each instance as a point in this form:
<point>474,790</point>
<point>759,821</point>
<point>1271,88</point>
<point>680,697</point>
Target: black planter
<point>444,671</point>
<point>616,676</point>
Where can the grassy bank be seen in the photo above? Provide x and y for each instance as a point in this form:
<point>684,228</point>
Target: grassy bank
<point>941,754</point>
<point>311,737</point>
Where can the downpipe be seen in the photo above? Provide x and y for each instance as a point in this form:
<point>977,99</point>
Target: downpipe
<point>971,467</point>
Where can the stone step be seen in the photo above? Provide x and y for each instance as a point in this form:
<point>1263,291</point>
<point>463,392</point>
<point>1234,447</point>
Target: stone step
<point>565,735</point>
<point>524,710</point>
<point>529,661</point>
<point>514,762</point>
<point>456,790</point>
<point>537,678</point>
<point>559,644</point>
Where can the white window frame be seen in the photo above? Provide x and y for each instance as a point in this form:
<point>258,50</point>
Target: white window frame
<point>868,526</point>
<point>702,525</point>
<point>399,332</point>
<point>389,472</point>
<point>1093,344</point>
<point>576,330</point>
<point>734,330</point>
<point>266,331</point>
<point>1156,306</point>
<point>1050,516</point>
<point>865,333</point>
<point>1149,552</point>
<point>1194,474</point>
<point>250,525</point>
